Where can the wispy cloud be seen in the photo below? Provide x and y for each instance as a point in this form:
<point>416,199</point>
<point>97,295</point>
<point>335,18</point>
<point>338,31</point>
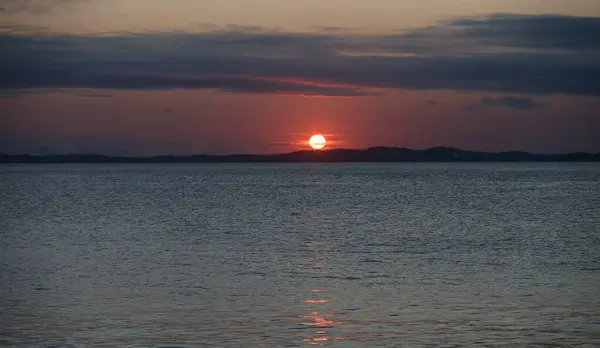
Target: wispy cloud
<point>513,102</point>
<point>499,53</point>
<point>93,95</point>
<point>82,93</point>
<point>280,144</point>
<point>33,6</point>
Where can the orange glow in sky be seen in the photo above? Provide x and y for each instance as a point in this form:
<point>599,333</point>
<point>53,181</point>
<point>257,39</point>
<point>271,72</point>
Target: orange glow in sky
<point>184,77</point>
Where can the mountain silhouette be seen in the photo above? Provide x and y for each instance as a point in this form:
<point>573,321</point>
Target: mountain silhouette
<point>373,154</point>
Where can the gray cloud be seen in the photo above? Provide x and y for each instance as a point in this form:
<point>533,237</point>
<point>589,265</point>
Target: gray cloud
<point>33,6</point>
<point>500,53</point>
<point>280,144</point>
<point>509,102</point>
<point>534,31</point>
<point>82,93</point>
<point>431,102</point>
<point>93,95</point>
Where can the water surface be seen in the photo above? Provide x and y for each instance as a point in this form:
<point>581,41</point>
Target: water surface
<point>351,255</point>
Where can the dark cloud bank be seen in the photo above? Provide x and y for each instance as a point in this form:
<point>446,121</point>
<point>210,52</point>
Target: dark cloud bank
<point>543,54</point>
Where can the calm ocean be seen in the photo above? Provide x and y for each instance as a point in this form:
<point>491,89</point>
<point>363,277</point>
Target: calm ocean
<point>296,255</point>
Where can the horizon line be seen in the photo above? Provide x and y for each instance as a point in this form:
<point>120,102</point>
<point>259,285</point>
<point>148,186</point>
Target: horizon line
<point>297,152</point>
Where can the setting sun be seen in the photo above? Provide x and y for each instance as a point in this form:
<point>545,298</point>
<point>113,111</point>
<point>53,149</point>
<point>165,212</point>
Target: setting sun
<point>317,141</point>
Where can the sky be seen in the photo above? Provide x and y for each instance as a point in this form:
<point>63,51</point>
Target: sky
<point>154,77</point>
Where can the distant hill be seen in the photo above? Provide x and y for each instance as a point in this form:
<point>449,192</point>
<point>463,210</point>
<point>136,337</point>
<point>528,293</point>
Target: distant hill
<point>374,154</point>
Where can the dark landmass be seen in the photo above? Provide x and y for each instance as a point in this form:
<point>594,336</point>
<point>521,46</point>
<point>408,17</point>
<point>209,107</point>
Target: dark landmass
<point>374,154</point>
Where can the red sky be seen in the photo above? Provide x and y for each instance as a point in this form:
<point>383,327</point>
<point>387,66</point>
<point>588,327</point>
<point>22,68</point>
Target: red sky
<point>219,87</point>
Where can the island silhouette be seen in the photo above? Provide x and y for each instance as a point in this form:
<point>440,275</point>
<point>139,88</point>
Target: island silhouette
<point>373,154</point>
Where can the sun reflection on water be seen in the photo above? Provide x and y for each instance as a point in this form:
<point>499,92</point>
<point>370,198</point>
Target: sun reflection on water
<point>321,321</point>
<point>316,301</point>
<point>318,316</point>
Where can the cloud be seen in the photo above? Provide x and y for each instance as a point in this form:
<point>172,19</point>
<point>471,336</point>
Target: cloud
<point>93,95</point>
<point>431,102</point>
<point>32,6</point>
<point>554,32</point>
<point>82,93</point>
<point>498,53</point>
<point>280,144</point>
<point>509,102</point>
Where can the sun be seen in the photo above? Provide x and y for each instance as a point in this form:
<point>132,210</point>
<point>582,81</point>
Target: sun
<point>317,141</point>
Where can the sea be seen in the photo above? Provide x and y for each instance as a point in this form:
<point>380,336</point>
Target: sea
<point>300,255</point>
